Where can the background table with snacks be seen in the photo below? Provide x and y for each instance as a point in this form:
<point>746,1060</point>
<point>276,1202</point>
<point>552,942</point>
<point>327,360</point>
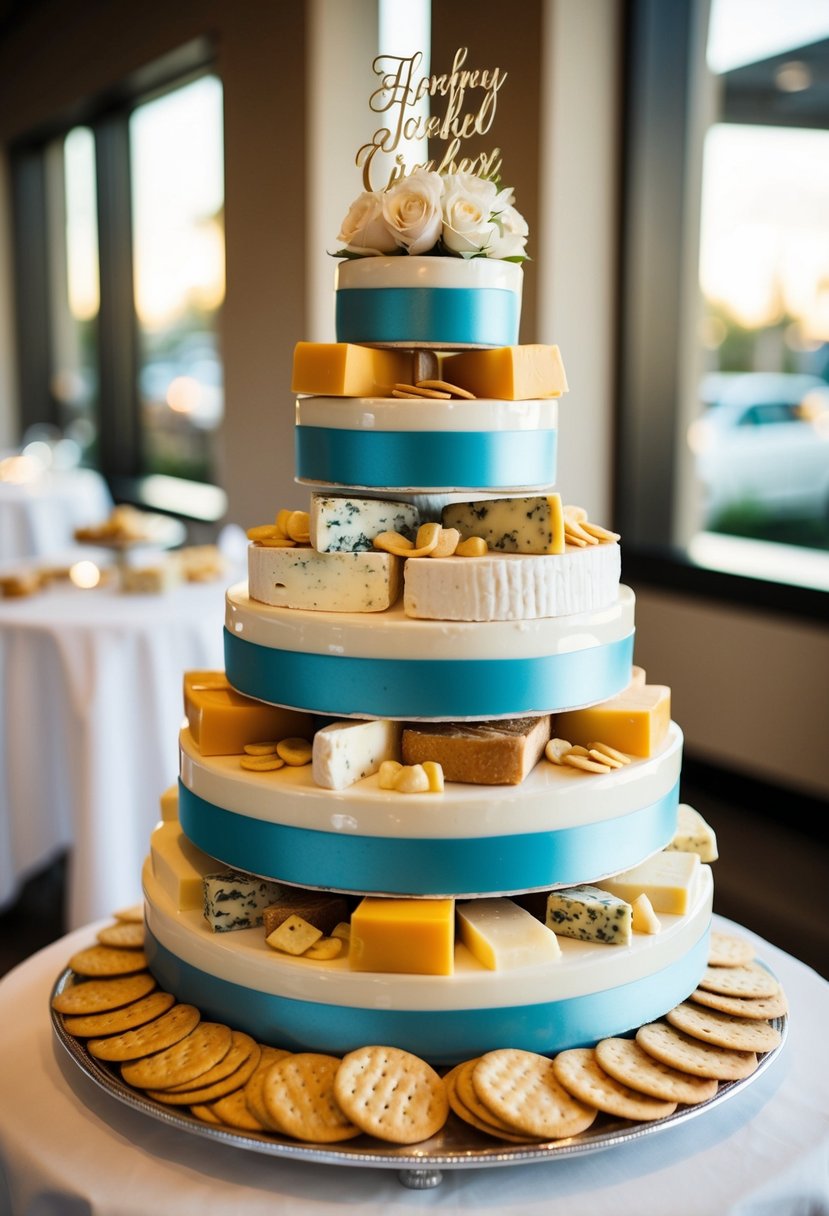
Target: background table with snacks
<point>67,1144</point>
<point>39,509</point>
<point>90,707</point>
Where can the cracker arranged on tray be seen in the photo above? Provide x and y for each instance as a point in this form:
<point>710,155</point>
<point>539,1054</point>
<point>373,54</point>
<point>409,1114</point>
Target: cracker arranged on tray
<point>224,1078</point>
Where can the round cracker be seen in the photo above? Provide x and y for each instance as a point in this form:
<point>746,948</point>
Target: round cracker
<point>233,1111</point>
<point>391,1094</point>
<point>625,1060</point>
<point>242,1046</point>
<point>580,1073</point>
<point>726,950</point>
<point>99,996</point>
<point>468,1116</point>
<point>522,1089</point>
<point>203,1047</point>
<point>467,1095</point>
<point>672,1046</point>
<point>749,980</point>
<point>204,1111</point>
<point>106,960</point>
<point>200,1093</point>
<point>116,1021</point>
<point>298,1094</point>
<point>124,935</point>
<point>723,1029</point>
<point>743,1007</point>
<point>162,1032</point>
<point>253,1085</point>
<point>133,913</point>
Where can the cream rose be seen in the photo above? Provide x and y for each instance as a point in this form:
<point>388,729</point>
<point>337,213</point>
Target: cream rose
<point>511,231</point>
<point>412,211</point>
<point>468,203</point>
<point>364,230</point>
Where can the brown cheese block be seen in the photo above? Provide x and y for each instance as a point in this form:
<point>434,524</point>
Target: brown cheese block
<point>481,753</point>
<point>320,910</point>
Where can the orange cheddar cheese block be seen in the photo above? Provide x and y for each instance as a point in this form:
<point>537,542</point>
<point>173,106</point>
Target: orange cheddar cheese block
<point>409,936</point>
<point>222,720</point>
<point>636,721</point>
<point>342,369</point>
<point>508,373</point>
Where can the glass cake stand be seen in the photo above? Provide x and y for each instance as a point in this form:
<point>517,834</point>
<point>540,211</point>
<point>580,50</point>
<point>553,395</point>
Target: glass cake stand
<point>420,1166</point>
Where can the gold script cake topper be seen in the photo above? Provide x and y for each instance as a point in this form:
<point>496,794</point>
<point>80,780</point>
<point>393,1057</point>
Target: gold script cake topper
<point>399,93</point>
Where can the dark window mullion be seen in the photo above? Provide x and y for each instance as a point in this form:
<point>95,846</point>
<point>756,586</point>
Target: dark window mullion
<point>120,435</point>
<point>31,287</point>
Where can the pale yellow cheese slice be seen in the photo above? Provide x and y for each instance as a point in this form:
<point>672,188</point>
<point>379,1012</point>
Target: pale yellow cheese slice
<point>668,880</point>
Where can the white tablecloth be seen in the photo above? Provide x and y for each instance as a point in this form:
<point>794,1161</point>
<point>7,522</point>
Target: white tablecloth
<point>38,518</point>
<point>68,1147</point>
<point>90,710</point>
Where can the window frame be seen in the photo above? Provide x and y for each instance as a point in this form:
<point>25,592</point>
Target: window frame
<point>118,409</point>
<point>655,138</point>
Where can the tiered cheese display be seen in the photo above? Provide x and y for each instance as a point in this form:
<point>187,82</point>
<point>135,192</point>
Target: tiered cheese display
<point>430,803</point>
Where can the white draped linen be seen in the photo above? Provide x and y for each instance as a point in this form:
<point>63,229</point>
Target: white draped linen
<point>90,710</point>
<point>38,518</point>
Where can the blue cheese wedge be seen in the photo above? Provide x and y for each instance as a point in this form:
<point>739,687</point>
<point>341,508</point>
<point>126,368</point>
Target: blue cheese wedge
<point>349,525</point>
<point>590,915</point>
<point>693,834</point>
<point>511,525</point>
<point>345,752</point>
<point>237,901</point>
<point>502,936</point>
<point>324,582</point>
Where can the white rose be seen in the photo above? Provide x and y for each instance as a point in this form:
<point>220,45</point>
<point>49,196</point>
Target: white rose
<point>468,203</point>
<point>511,231</point>
<point>412,211</point>
<point>364,230</point>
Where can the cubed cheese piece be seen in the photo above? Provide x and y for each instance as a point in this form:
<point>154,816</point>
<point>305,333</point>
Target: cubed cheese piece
<point>179,866</point>
<point>324,582</point>
<point>645,919</point>
<point>343,369</point>
<point>511,525</point>
<point>293,936</point>
<point>668,880</point>
<point>635,722</point>
<point>236,901</point>
<point>349,525</point>
<point>693,834</point>
<point>590,914</point>
<point>503,936</point>
<point>345,752</point>
<point>513,586</point>
<point>222,720</point>
<point>150,580</point>
<point>407,936</point>
<point>318,908</point>
<point>510,373</point>
<point>169,805</point>
<point>500,752</point>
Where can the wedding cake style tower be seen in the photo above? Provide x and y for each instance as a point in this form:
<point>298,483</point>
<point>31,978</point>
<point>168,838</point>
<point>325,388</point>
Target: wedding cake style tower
<point>431,802</point>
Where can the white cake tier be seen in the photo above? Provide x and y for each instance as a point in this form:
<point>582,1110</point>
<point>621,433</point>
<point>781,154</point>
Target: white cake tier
<point>590,992</point>
<point>426,446</point>
<point>441,302</point>
<point>558,827</point>
<point>386,665</point>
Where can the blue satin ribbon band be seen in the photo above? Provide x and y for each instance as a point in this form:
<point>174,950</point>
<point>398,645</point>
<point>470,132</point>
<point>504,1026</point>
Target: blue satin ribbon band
<point>440,1036</point>
<point>480,316</point>
<point>428,688</point>
<point>431,459</point>
<point>433,866</point>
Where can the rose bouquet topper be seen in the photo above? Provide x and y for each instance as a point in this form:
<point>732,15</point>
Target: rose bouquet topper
<point>450,207</point>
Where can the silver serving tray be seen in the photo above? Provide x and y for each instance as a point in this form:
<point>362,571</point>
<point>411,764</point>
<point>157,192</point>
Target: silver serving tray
<point>457,1146</point>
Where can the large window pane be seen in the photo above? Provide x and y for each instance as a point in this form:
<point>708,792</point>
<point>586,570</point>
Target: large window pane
<point>178,249</point>
<point>760,444</point>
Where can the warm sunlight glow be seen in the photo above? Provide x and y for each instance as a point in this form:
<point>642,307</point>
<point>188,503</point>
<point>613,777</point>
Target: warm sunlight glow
<point>85,575</point>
